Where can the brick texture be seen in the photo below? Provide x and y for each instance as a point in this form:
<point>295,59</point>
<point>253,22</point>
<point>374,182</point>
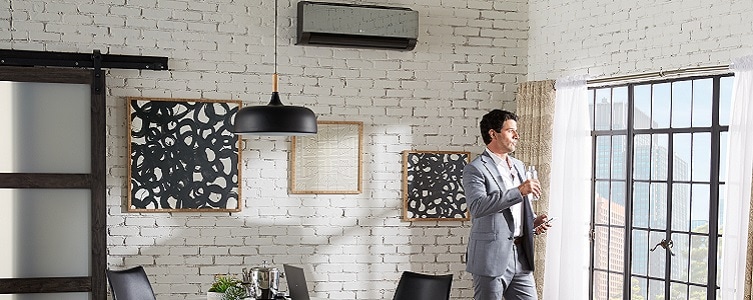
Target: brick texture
<point>611,38</point>
<point>469,58</point>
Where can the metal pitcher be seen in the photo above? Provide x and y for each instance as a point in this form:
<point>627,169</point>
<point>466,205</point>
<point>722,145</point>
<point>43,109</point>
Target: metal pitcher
<point>263,282</point>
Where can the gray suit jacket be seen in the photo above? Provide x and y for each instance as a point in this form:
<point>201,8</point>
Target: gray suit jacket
<point>491,242</point>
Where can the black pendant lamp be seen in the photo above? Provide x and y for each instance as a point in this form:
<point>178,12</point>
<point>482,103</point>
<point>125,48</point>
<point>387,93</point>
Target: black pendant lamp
<point>275,118</point>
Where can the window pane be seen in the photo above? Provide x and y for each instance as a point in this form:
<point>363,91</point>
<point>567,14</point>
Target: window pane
<point>658,206</point>
<point>602,203</point>
<point>678,291</point>
<point>659,150</point>
<point>682,257</point>
<point>642,103</point>
<point>722,202</point>
<point>718,264</point>
<point>657,257</point>
<point>681,207</point>
<point>681,145</point>
<point>656,290</point>
<point>603,156</point>
<point>681,103</point>
<point>639,288</point>
<point>617,208</point>
<point>615,286</point>
<point>42,134</point>
<point>590,95</point>
<point>619,148</point>
<point>698,293</point>
<point>723,156</point>
<point>642,156</point>
<point>601,250</point>
<point>640,252</point>
<point>699,250</point>
<point>641,196</point>
<point>603,109</point>
<point>601,285</point>
<point>702,91</point>
<point>725,96</point>
<point>45,232</point>
<point>619,108</point>
<point>699,214</point>
<point>660,105</point>
<point>701,156</point>
<point>616,250</point>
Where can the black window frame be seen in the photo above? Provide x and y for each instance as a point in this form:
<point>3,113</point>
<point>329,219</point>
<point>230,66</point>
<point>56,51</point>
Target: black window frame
<point>630,132</point>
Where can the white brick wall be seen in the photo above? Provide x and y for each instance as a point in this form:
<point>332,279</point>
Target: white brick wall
<point>470,55</point>
<point>610,38</point>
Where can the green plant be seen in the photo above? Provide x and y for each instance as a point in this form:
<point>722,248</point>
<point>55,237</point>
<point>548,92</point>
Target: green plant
<point>234,293</point>
<point>222,283</point>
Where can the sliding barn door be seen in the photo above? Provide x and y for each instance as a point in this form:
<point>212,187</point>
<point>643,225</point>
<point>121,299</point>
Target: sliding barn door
<point>52,184</point>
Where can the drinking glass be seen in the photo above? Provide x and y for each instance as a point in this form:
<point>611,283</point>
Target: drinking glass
<point>531,173</point>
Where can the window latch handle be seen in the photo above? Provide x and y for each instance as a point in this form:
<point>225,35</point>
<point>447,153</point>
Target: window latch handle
<point>666,244</point>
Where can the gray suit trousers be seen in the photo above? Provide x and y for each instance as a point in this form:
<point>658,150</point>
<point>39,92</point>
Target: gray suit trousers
<point>515,284</point>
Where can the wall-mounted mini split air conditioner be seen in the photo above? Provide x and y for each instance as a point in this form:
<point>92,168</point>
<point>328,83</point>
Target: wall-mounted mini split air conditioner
<point>360,26</point>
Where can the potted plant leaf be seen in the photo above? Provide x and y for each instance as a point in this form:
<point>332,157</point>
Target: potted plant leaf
<point>226,287</point>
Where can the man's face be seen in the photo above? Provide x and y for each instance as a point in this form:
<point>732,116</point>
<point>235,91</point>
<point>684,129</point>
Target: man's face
<point>507,139</point>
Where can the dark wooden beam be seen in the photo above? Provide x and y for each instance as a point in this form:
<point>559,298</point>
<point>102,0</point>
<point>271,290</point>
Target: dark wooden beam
<point>28,58</point>
<point>44,181</point>
<point>45,285</point>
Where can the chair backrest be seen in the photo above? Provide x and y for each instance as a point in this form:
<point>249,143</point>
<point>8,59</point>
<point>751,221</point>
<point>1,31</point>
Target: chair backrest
<point>130,284</point>
<point>417,286</point>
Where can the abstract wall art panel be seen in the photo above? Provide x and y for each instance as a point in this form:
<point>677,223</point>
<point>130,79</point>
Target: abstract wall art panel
<point>432,185</point>
<point>183,155</point>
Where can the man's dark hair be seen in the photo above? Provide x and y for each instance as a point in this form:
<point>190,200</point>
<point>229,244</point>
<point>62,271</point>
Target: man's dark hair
<point>494,120</point>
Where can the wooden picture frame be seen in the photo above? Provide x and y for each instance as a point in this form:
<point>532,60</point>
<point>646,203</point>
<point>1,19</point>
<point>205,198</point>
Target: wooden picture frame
<point>183,155</point>
<point>329,162</point>
<point>433,187</point>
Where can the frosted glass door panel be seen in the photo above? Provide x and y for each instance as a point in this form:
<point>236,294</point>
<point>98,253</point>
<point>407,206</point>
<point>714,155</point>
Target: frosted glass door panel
<point>45,127</point>
<point>46,233</point>
<point>57,296</point>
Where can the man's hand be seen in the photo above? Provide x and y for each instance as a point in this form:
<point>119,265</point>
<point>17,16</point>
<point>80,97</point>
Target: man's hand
<point>530,186</point>
<point>541,224</point>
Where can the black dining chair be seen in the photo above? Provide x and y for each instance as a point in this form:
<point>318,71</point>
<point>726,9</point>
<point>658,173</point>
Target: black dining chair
<point>417,286</point>
<point>130,284</point>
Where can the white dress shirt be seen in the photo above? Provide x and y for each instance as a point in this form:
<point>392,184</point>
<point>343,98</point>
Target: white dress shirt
<point>512,181</point>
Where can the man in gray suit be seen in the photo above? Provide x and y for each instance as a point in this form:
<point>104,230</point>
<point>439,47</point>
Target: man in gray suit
<point>500,248</point>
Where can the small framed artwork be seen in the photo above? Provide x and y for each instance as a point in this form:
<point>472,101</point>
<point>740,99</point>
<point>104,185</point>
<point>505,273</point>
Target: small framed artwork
<point>432,185</point>
<point>329,162</point>
<point>183,155</point>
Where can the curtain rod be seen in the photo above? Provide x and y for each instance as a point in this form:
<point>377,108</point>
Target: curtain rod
<point>660,74</point>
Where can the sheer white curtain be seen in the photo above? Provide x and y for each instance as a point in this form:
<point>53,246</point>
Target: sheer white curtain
<point>567,242</point>
<point>739,172</point>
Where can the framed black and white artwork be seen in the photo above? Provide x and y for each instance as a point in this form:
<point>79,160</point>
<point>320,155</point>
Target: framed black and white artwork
<point>183,155</point>
<point>432,185</point>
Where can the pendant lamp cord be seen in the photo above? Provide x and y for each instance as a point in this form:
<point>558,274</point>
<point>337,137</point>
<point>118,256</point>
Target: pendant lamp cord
<point>275,37</point>
<point>274,77</point>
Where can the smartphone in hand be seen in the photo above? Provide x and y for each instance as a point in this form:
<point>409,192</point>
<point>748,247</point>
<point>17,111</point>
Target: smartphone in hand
<point>536,229</point>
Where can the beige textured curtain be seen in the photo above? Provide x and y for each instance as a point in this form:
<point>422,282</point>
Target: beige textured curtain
<point>535,109</point>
